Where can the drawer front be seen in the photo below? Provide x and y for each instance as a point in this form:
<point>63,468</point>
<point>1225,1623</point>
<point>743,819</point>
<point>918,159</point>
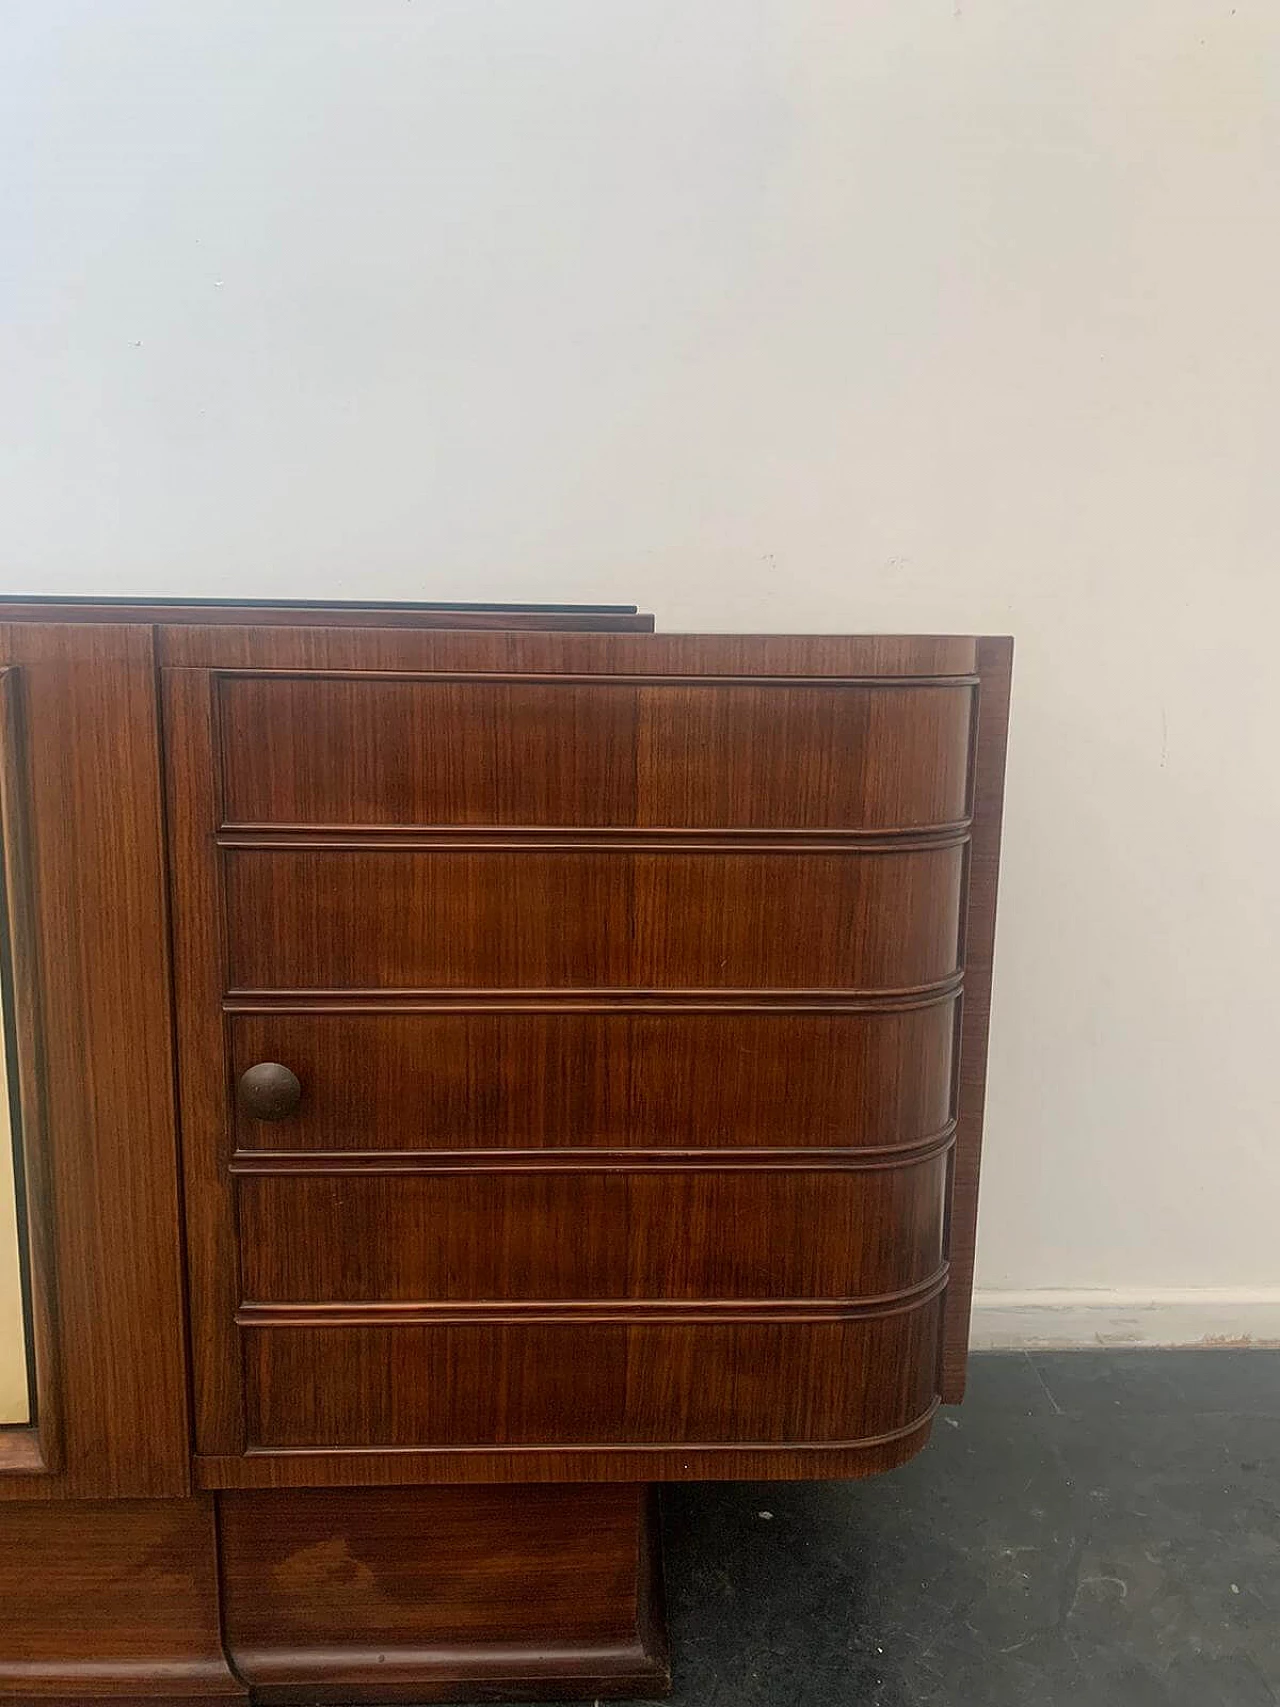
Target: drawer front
<point>595,1235</point>
<point>491,1081</point>
<point>532,919</point>
<point>332,751</point>
<point>554,1383</point>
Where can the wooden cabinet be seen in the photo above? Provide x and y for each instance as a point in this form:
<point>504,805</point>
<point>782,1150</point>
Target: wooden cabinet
<point>613,1007</point>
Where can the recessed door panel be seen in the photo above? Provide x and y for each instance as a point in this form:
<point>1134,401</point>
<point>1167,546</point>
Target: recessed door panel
<point>396,918</point>
<point>494,1081</point>
<point>331,750</point>
<point>601,1233</point>
<point>563,1383</point>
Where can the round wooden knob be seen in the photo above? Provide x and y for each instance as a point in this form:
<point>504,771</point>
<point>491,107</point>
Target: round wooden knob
<point>269,1091</point>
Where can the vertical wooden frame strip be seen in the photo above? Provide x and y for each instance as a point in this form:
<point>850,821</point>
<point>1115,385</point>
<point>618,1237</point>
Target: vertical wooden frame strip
<point>103,1165</point>
<point>995,665</point>
<point>33,1448</point>
<point>193,773</point>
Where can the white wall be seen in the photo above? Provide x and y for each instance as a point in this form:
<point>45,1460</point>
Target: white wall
<point>778,314</point>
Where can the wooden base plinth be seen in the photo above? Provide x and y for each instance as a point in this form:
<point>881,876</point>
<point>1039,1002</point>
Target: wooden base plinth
<point>112,1599</point>
<point>415,1594</point>
<point>335,1595</point>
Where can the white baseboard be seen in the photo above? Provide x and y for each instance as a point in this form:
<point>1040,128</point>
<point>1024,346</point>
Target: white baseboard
<point>1152,1316</point>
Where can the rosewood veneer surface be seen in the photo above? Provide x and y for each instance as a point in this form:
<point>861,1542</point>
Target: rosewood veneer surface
<point>619,1002</point>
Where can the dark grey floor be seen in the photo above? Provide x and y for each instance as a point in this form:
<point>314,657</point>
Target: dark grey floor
<point>1088,1530</point>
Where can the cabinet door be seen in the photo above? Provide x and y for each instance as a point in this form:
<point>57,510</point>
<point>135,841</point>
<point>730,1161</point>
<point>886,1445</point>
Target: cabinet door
<point>568,1050</point>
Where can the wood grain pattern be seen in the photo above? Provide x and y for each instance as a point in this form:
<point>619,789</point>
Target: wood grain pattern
<point>805,656</point>
<point>205,1087</point>
<point>582,1384</point>
<point>105,1130</point>
<point>420,1081</point>
<point>637,988</point>
<point>531,994</point>
<point>881,756</point>
<point>995,661</point>
<point>676,1462</point>
<point>111,1600</point>
<point>509,919</point>
<point>360,751</point>
<point>429,1594</point>
<point>592,1235</point>
<point>28,1358</point>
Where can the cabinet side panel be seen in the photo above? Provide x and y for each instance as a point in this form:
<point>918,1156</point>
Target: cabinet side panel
<point>995,665</point>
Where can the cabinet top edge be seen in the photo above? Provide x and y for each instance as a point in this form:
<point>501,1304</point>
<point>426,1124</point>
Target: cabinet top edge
<point>325,613</point>
<point>370,649</point>
<point>338,613</point>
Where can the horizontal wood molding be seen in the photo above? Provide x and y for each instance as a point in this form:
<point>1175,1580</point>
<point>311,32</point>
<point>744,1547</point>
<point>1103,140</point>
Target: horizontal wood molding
<point>385,999</point>
<point>679,1461</point>
<point>612,838</point>
<point>577,1311</point>
<point>605,678</point>
<point>603,1160</point>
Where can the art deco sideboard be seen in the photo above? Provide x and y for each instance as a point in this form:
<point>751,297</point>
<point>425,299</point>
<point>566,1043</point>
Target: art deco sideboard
<point>467,1067</point>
